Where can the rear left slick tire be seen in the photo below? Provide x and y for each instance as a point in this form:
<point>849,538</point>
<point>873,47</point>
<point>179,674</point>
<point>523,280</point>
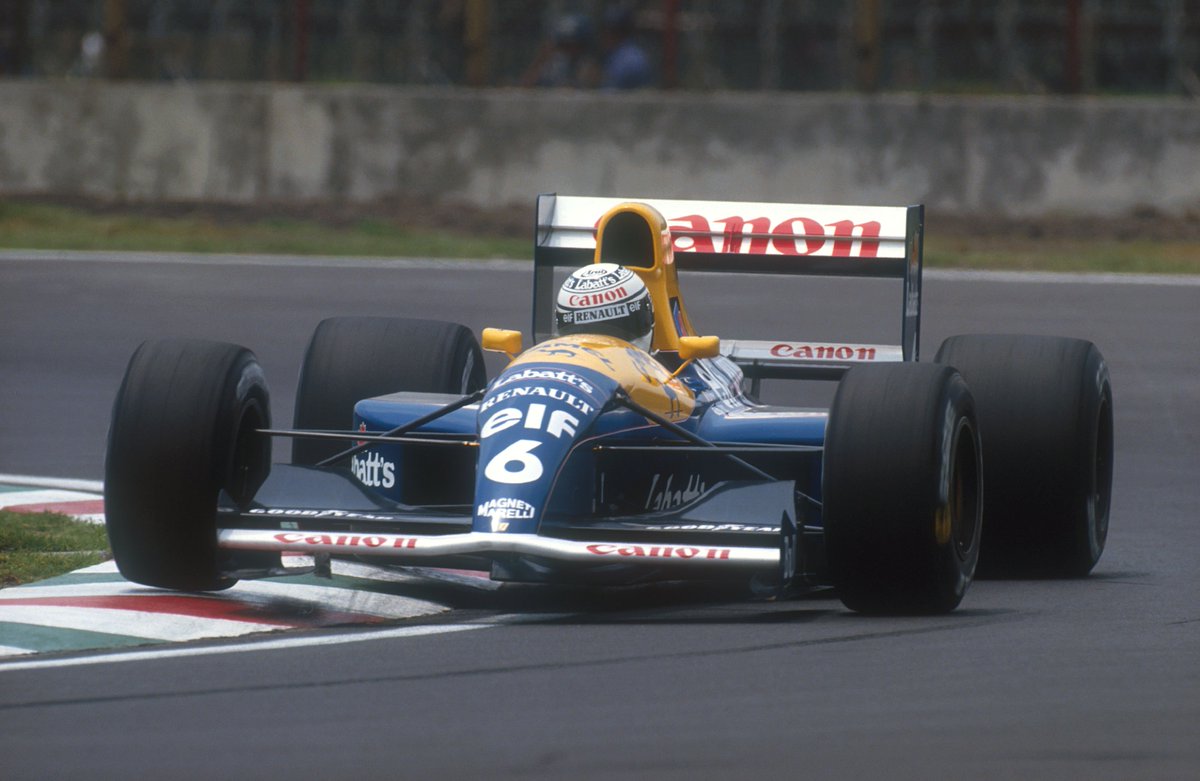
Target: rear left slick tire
<point>902,489</point>
<point>1045,407</point>
<point>183,429</point>
<point>353,358</point>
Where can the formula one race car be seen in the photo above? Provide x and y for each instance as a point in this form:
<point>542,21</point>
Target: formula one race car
<point>590,461</point>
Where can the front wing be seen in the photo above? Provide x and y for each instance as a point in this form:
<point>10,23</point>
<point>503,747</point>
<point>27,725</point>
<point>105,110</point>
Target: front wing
<point>736,529</point>
<point>421,548</point>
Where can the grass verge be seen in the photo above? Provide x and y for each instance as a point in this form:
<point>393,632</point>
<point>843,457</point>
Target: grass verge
<point>36,546</point>
<point>46,226</point>
<point>1139,256</point>
<point>1142,248</point>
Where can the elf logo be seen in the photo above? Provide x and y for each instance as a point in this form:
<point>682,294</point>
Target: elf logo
<point>556,423</point>
<point>373,470</point>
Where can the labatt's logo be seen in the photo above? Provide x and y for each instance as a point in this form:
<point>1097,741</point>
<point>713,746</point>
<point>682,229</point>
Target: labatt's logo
<point>757,236</point>
<point>558,375</point>
<point>374,471</point>
<point>664,494</point>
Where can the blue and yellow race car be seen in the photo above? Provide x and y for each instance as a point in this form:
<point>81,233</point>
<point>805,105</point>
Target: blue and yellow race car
<point>591,460</point>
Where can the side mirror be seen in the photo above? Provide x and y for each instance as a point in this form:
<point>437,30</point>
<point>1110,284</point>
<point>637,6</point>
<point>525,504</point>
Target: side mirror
<point>691,347</point>
<point>502,341</point>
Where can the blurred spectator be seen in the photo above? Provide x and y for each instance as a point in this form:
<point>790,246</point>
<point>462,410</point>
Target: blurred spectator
<point>626,65</point>
<point>566,60</point>
<point>91,55</point>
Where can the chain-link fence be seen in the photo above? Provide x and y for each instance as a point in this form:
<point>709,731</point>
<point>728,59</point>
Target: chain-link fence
<point>1011,46</point>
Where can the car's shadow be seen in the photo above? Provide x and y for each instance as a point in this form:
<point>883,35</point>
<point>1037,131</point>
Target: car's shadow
<point>660,603</point>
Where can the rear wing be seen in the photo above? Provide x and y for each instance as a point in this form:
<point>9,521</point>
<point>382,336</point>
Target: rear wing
<point>755,238</point>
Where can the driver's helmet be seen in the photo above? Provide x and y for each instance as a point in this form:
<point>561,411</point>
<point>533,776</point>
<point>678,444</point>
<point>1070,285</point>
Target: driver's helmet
<point>605,298</point>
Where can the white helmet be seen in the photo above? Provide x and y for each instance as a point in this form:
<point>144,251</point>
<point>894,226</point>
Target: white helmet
<point>605,298</point>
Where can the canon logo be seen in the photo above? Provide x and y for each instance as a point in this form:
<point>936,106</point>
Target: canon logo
<point>593,299</point>
<point>346,540</point>
<point>757,236</point>
<point>658,551</point>
<point>839,352</point>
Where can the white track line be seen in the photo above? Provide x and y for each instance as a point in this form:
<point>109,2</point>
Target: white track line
<point>103,568</point>
<point>253,646</point>
<point>131,623</point>
<point>10,650</point>
<point>233,259</point>
<point>525,266</point>
<point>44,496</point>
<point>1060,278</point>
<point>348,600</point>
<point>61,483</point>
<point>103,589</point>
<point>367,603</point>
<point>353,569</point>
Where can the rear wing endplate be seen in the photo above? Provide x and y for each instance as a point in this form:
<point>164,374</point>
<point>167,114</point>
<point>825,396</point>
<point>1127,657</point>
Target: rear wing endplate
<point>748,237</point>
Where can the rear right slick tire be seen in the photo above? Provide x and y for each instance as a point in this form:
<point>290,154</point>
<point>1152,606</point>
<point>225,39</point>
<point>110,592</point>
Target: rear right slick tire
<point>1045,408</point>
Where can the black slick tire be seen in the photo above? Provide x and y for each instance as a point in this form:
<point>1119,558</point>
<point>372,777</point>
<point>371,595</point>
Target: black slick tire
<point>1045,410</point>
<point>901,489</point>
<point>354,358</point>
<point>183,430</point>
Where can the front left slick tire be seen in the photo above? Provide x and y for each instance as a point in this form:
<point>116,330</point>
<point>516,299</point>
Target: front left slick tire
<point>184,429</point>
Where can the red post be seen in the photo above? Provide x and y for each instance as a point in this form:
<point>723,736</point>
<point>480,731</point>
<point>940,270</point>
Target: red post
<point>476,34</point>
<point>116,39</point>
<point>303,21</point>
<point>670,69</point>
<point>1073,67</point>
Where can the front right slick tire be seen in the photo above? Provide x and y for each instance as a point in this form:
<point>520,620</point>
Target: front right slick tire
<point>902,489</point>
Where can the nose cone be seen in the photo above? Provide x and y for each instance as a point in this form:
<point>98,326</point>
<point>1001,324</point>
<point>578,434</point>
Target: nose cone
<point>529,421</point>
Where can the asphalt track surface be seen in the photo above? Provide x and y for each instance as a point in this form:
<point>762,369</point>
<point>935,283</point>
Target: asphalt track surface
<point>1095,678</point>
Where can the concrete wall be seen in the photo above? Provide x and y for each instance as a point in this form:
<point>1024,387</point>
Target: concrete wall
<point>243,142</point>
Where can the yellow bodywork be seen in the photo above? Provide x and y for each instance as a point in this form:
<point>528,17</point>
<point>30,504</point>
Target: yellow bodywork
<point>645,380</point>
<point>502,341</point>
<point>660,275</point>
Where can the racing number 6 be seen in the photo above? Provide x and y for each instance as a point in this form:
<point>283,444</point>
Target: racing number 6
<point>521,453</point>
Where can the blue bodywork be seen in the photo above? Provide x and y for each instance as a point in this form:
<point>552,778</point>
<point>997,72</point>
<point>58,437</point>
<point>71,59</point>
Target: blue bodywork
<point>569,426</point>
